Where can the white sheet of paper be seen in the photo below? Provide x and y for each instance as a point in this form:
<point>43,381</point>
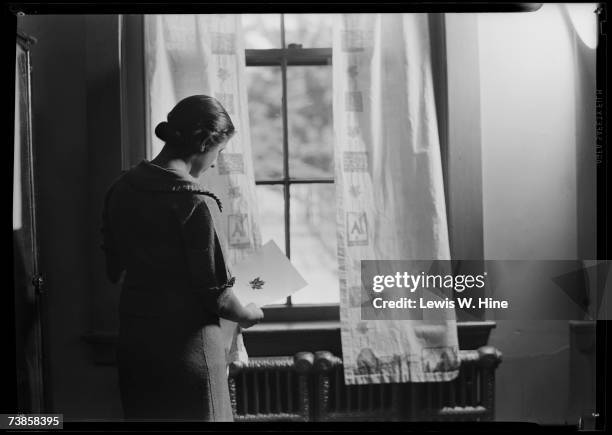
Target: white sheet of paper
<point>265,277</point>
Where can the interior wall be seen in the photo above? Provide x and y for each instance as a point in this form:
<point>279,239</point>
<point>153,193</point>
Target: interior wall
<point>73,112</point>
<point>534,106</point>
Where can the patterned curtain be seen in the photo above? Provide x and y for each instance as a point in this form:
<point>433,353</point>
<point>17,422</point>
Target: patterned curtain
<point>204,54</point>
<point>390,192</point>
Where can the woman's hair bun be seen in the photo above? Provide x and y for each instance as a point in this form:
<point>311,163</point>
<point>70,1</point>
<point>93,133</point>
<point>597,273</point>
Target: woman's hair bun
<point>193,120</point>
<point>166,132</point>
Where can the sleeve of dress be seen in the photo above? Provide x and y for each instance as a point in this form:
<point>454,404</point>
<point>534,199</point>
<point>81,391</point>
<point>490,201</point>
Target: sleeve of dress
<point>208,272</point>
<point>114,267</point>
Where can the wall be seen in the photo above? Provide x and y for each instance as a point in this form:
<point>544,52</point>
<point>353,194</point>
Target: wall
<point>537,111</point>
<point>76,151</point>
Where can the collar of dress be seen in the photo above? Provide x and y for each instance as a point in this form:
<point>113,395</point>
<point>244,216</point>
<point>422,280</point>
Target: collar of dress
<point>150,177</point>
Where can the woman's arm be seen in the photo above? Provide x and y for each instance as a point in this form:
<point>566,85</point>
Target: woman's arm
<point>208,272</point>
<point>114,269</point>
<point>230,308</point>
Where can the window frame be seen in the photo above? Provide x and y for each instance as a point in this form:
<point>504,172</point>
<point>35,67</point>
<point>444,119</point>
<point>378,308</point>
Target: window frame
<point>292,55</point>
<point>453,38</point>
<point>451,42</point>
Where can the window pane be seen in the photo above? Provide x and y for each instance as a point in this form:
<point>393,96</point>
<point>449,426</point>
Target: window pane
<point>309,112</point>
<point>261,31</point>
<point>264,86</point>
<point>310,30</point>
<point>270,202</point>
<point>313,242</point>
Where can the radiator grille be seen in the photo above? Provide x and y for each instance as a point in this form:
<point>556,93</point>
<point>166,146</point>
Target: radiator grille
<point>269,389</point>
<point>342,401</point>
<point>311,387</point>
<point>267,392</point>
<point>460,399</point>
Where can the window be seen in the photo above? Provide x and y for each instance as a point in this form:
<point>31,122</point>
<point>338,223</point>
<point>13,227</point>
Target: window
<point>288,60</point>
<point>290,55</point>
<point>289,83</point>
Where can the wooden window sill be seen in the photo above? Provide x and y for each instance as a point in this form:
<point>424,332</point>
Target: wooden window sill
<point>289,338</point>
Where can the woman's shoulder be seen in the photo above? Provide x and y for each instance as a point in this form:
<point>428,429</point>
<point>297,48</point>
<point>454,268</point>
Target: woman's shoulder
<point>156,178</point>
<point>118,186</point>
<point>202,194</point>
<point>177,189</point>
<point>192,205</point>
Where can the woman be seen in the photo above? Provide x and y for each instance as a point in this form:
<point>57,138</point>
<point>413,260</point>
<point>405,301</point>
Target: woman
<point>159,239</point>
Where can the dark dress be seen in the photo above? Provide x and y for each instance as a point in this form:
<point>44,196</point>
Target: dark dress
<point>171,359</point>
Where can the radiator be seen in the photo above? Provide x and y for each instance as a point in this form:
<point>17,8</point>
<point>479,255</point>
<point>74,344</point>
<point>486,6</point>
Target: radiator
<point>310,387</point>
<point>272,388</point>
<point>471,396</point>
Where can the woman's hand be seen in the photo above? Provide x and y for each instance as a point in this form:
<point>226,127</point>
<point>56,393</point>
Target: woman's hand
<point>230,308</point>
<point>255,316</point>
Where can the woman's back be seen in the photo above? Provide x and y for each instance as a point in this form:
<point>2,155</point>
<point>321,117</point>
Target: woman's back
<point>171,355</point>
<point>164,238</point>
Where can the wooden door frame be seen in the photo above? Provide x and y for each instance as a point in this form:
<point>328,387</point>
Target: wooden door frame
<point>41,400</point>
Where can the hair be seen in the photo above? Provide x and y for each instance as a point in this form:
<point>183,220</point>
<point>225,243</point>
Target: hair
<point>193,120</point>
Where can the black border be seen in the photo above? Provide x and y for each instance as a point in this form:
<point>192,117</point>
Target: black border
<point>9,399</point>
<point>32,8</point>
<point>603,235</point>
<point>339,427</point>
<point>9,388</point>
